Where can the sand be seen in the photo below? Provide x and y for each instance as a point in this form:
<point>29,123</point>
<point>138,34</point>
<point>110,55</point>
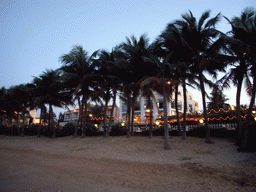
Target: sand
<point>123,164</point>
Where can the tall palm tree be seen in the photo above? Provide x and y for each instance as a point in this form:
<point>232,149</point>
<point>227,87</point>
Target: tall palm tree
<point>137,53</point>
<point>147,87</point>
<point>108,67</point>
<point>103,91</point>
<point>17,102</point>
<point>172,41</point>
<point>24,95</point>
<point>199,36</point>
<point>244,30</point>
<point>164,80</point>
<point>51,91</point>
<point>240,45</point>
<point>78,65</point>
<point>242,42</point>
<point>39,101</point>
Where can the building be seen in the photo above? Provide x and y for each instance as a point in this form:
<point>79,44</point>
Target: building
<point>142,113</point>
<point>116,112</point>
<point>73,115</point>
<point>28,119</point>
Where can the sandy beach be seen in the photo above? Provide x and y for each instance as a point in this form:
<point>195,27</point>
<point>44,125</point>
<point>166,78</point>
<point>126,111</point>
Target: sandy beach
<point>123,164</point>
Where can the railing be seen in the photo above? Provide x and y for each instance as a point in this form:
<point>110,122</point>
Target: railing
<point>228,126</point>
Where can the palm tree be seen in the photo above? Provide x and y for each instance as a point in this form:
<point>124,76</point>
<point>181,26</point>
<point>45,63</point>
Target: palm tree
<point>163,79</point>
<point>108,67</point>
<point>243,45</point>
<point>24,96</point>
<point>50,90</point>
<point>206,56</point>
<point>136,53</point>
<point>102,90</point>
<point>17,101</point>
<point>147,87</point>
<point>39,101</point>
<point>172,41</point>
<point>244,30</point>
<point>78,65</point>
<point>176,88</point>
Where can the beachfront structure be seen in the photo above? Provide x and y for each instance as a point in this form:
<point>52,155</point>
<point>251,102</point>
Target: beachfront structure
<point>142,113</point>
<point>29,118</point>
<point>73,115</point>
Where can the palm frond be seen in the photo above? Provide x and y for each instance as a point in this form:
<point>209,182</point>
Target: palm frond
<point>202,19</point>
<point>212,22</point>
<point>248,86</point>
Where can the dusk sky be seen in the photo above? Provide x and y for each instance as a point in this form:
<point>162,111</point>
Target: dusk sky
<point>35,33</point>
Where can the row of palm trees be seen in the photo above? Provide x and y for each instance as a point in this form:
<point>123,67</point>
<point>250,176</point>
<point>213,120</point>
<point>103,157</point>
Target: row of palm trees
<point>181,55</point>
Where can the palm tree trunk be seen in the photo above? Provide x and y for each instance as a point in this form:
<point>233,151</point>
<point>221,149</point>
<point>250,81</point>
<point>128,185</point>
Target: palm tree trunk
<point>23,125</point>
<point>84,119</point>
<point>208,135</point>
<point>106,129</point>
<point>177,110</point>
<point>112,109</point>
<point>129,118</point>
<point>150,117</point>
<point>185,109</point>
<point>133,109</point>
<point>10,125</point>
<point>18,127</point>
<point>79,116</point>
<point>249,118</point>
<point>84,113</point>
<point>52,123</point>
<point>238,111</point>
<point>132,116</point>
<point>49,121</point>
<point>167,144</point>
<point>40,122</point>
<point>252,101</point>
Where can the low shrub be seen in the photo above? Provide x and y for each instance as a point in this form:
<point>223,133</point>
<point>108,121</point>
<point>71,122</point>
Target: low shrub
<point>249,138</point>
<point>159,131</point>
<point>117,130</point>
<point>91,130</point>
<point>31,129</point>
<point>67,130</point>
<point>3,130</point>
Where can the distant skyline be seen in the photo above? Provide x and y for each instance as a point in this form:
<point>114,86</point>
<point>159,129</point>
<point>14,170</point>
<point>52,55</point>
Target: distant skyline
<point>35,33</point>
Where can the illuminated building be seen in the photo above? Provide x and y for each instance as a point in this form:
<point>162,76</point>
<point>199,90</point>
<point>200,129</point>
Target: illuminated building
<point>73,115</point>
<point>142,111</point>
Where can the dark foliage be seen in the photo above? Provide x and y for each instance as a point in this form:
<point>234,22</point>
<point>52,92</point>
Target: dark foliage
<point>67,130</point>
<point>251,140</point>
<point>117,130</point>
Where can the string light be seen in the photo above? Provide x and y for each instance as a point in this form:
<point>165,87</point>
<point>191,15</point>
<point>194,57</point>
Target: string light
<point>138,117</point>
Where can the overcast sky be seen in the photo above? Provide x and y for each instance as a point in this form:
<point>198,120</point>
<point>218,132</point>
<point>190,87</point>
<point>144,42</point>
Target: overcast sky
<point>35,33</point>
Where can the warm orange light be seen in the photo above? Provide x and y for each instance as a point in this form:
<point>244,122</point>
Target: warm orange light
<point>37,120</point>
<point>168,82</point>
<point>90,115</point>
